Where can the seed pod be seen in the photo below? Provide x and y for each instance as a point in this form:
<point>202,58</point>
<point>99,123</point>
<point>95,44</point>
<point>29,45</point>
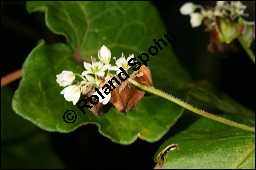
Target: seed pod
<point>100,109</point>
<point>143,76</point>
<point>125,96</point>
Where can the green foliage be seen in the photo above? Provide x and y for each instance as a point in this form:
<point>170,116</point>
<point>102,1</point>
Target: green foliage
<point>127,27</point>
<point>23,145</point>
<point>122,27</point>
<point>207,144</point>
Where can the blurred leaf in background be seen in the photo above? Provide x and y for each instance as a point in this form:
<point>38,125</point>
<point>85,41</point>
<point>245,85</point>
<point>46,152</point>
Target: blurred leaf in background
<point>23,145</point>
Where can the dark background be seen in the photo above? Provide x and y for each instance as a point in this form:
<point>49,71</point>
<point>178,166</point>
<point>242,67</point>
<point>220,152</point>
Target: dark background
<point>233,73</point>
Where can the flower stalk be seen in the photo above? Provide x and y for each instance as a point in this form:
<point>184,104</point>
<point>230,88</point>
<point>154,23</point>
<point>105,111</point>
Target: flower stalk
<point>190,107</point>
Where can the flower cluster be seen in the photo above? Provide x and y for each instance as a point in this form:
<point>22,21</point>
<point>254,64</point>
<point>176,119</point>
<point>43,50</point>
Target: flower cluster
<point>225,21</point>
<point>92,77</point>
<point>96,76</point>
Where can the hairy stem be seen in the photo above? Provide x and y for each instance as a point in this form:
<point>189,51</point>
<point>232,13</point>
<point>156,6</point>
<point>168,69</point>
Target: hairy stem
<point>247,50</point>
<point>11,77</point>
<point>190,107</point>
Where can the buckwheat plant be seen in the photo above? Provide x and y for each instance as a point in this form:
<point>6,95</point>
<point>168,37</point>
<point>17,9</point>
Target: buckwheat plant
<point>95,74</point>
<point>64,80</point>
<point>98,73</point>
<point>225,22</point>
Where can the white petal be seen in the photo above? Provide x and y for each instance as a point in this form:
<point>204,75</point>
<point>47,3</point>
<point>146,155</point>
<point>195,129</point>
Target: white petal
<point>196,19</point>
<point>130,57</point>
<point>68,76</point>
<point>87,66</point>
<point>120,61</point>
<point>86,72</point>
<point>96,66</point>
<point>118,71</point>
<point>100,73</point>
<point>65,78</point>
<point>76,97</point>
<point>68,93</point>
<point>220,3</point>
<point>106,99</point>
<point>114,68</point>
<point>187,8</point>
<point>59,79</point>
<point>104,54</point>
<point>72,93</point>
<point>105,67</point>
<point>64,90</point>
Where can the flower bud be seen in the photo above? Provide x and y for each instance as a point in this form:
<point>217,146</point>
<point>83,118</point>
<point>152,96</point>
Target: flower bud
<point>104,54</point>
<point>196,19</point>
<point>187,8</point>
<point>65,78</point>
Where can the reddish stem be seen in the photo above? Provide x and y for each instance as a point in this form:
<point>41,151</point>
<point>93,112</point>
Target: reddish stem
<point>11,77</point>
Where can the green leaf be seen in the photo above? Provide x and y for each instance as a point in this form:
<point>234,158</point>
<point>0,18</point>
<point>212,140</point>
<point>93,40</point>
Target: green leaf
<point>23,145</point>
<point>207,144</point>
<point>128,27</point>
<point>10,122</point>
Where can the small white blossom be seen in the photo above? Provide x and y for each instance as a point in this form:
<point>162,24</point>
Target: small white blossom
<point>188,8</point>
<point>237,8</point>
<point>237,5</point>
<point>122,62</point>
<point>106,97</point>
<point>71,93</point>
<point>104,54</point>
<point>97,68</point>
<point>196,19</point>
<point>220,3</point>
<point>85,86</point>
<point>65,78</point>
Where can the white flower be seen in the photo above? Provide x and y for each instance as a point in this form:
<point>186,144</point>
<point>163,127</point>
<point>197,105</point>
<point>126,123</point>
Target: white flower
<point>71,93</point>
<point>122,62</point>
<point>237,7</point>
<point>65,78</point>
<point>220,3</point>
<point>106,98</point>
<point>188,8</point>
<point>97,68</point>
<point>196,19</point>
<point>104,54</point>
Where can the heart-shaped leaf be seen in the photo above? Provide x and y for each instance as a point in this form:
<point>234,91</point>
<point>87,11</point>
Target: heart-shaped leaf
<point>128,27</point>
